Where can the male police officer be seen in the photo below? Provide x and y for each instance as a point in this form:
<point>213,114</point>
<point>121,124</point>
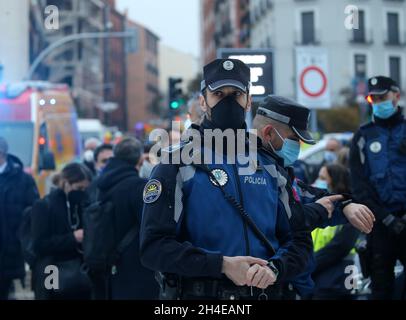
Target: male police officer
<point>213,232</point>
<point>378,174</point>
<point>281,123</point>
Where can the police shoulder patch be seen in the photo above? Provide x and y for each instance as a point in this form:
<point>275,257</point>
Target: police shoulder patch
<point>152,191</point>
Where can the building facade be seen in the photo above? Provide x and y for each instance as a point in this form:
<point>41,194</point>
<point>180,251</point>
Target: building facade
<point>14,40</point>
<point>77,63</point>
<point>115,69</point>
<point>177,64</point>
<point>378,46</point>
<point>224,24</point>
<point>143,96</point>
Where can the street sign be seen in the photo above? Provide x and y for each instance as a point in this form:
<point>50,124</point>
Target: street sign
<point>261,63</point>
<point>312,77</point>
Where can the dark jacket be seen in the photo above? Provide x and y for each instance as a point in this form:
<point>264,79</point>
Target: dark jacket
<point>51,230</point>
<point>17,192</point>
<point>175,245</point>
<point>121,184</point>
<point>53,242</point>
<point>363,189</point>
<point>331,262</point>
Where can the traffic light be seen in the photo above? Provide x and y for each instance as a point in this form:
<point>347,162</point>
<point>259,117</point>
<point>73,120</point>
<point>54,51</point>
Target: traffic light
<point>175,93</point>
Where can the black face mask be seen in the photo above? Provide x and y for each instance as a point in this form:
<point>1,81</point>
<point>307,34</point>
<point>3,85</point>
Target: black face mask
<point>76,198</point>
<point>228,114</point>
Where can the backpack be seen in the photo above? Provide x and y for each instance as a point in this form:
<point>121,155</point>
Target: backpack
<point>101,247</point>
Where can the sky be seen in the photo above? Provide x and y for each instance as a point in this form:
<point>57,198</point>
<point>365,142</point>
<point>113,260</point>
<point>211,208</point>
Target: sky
<point>176,22</point>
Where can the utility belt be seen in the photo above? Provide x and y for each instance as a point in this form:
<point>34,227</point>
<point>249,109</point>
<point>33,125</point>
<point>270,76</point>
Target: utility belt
<point>179,288</point>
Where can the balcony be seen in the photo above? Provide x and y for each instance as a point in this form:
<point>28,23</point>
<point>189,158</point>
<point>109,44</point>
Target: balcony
<point>308,39</point>
<point>361,36</point>
<point>395,39</point>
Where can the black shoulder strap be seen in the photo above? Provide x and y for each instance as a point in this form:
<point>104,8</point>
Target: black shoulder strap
<point>251,223</point>
<point>125,242</point>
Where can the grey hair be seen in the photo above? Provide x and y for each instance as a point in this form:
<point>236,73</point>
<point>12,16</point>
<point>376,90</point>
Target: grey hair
<point>261,121</point>
<point>129,150</point>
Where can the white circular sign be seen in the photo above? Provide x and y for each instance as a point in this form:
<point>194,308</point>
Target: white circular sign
<point>313,81</point>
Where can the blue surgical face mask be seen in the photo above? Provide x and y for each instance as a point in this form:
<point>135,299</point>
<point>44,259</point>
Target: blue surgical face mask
<point>289,152</point>
<point>321,184</point>
<point>330,156</point>
<point>384,110</point>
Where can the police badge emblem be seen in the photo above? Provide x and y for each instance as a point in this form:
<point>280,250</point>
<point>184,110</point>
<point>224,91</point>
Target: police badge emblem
<point>228,65</point>
<point>221,177</point>
<point>375,147</point>
<point>152,191</point>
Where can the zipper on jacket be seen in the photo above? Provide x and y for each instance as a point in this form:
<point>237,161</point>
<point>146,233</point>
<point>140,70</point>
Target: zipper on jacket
<point>247,242</point>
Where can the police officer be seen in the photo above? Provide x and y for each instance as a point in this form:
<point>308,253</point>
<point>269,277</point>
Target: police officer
<point>211,232</point>
<point>378,174</point>
<point>281,123</point>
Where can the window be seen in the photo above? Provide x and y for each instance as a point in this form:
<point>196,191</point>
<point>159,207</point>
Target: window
<point>360,66</point>
<point>393,28</point>
<point>152,43</point>
<point>359,34</point>
<point>308,32</point>
<point>394,69</point>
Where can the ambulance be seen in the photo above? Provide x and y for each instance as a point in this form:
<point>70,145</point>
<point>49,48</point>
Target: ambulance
<point>39,122</point>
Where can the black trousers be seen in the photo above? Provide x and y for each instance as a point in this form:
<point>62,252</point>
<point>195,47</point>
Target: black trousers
<point>5,287</point>
<point>385,249</point>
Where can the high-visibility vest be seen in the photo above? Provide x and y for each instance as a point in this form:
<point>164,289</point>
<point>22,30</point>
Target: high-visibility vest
<point>322,237</point>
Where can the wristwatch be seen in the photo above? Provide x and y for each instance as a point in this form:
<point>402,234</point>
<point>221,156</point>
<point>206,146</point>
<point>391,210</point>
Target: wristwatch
<point>274,269</point>
<point>345,203</point>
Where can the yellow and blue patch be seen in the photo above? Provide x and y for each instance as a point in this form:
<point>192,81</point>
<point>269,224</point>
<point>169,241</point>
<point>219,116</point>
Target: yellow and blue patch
<point>152,191</point>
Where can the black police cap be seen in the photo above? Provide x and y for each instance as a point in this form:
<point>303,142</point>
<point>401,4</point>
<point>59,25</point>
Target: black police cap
<point>226,73</point>
<point>381,85</point>
<point>290,113</point>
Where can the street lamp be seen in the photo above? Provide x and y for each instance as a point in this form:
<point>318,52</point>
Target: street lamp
<point>132,34</point>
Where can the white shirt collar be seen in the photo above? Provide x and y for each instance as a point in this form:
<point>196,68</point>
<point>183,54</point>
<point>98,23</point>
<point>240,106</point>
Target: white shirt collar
<point>3,167</point>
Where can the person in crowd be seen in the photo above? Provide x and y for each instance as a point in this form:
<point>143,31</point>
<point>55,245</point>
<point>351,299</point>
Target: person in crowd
<point>343,157</point>
<point>17,192</point>
<point>333,246</point>
<point>120,183</point>
<point>57,233</point>
<point>148,162</point>
<point>102,154</point>
<point>333,147</point>
<point>378,176</point>
<point>88,155</point>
